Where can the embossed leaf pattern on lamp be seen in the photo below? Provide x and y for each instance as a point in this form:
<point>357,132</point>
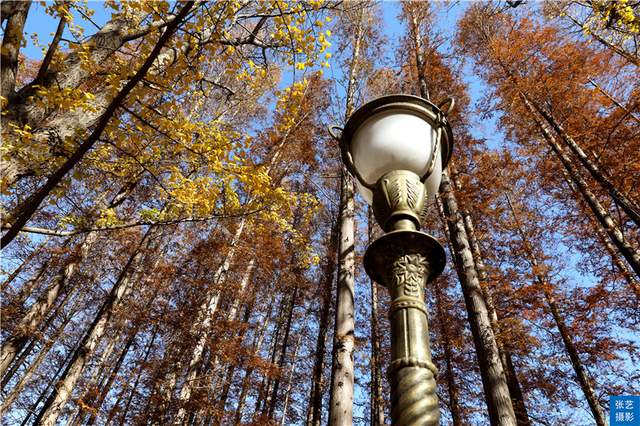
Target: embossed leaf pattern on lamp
<point>408,272</point>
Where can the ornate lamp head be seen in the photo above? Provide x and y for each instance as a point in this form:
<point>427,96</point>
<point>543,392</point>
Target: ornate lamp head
<point>396,147</point>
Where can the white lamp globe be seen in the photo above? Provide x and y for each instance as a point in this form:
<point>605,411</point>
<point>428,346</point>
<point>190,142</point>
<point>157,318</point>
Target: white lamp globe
<point>396,132</point>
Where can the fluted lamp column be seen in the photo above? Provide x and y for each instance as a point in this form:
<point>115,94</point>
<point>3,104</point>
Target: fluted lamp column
<point>396,147</point>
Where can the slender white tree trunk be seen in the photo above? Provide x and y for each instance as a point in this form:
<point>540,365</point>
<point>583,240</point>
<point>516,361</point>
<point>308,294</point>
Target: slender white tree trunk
<point>33,367</point>
<point>287,393</point>
<point>342,371</point>
<point>494,380</point>
<point>37,312</point>
<point>54,405</point>
<point>201,328</point>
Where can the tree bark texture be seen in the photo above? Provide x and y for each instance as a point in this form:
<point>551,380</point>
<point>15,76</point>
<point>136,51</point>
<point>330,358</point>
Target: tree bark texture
<point>342,377</point>
<point>32,320</point>
<point>72,73</point>
<point>494,380</point>
<point>35,339</point>
<point>59,286</point>
<point>13,34</point>
<point>27,208</point>
<point>342,370</point>
<point>517,397</point>
<point>315,398</point>
<point>33,367</point>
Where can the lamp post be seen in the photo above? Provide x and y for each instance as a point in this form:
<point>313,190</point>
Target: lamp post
<point>396,147</point>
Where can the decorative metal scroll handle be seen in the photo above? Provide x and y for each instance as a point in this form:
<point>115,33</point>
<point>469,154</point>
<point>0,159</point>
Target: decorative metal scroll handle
<point>332,132</point>
<point>451,102</point>
<point>440,120</point>
<point>348,159</point>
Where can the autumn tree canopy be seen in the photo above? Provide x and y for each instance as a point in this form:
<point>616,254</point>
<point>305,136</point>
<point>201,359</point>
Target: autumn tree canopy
<point>181,243</point>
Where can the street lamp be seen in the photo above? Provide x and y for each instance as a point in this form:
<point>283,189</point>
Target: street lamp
<point>396,147</point>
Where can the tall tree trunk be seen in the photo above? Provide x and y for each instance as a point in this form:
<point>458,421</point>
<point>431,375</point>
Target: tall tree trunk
<point>51,382</point>
<point>35,364</point>
<point>11,41</point>
<point>517,397</point>
<point>26,351</point>
<point>315,398</point>
<point>628,252</point>
<point>105,382</point>
<point>92,383</point>
<point>39,310</point>
<point>226,382</point>
<point>265,384</point>
<point>32,320</point>
<point>231,369</point>
<point>272,400</point>
<point>627,205</point>
<point>202,327</point>
<point>418,51</point>
<point>25,262</point>
<point>257,347</point>
<point>244,283</point>
<point>104,386</point>
<point>494,381</point>
<point>377,400</point>
<point>52,408</point>
<point>134,386</point>
<point>582,375</point>
<point>208,309</point>
<point>342,369</point>
<point>452,388</point>
<point>222,401</point>
<point>606,242</point>
<point>287,393</point>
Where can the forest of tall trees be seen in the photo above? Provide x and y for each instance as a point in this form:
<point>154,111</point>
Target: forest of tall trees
<point>181,244</point>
